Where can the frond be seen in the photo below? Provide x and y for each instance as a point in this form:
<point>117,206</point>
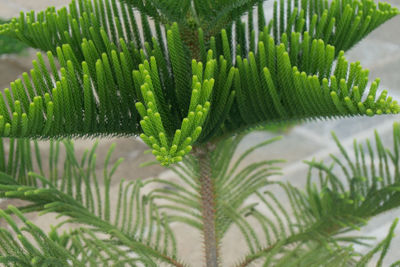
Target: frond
<point>134,224</point>
<point>32,247</point>
<point>371,188</point>
<point>81,37</point>
<point>79,247</point>
<point>329,207</point>
<point>82,19</point>
<point>290,82</point>
<point>340,23</point>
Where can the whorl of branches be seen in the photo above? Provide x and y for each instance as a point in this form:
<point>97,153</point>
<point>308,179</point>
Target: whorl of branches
<point>114,82</point>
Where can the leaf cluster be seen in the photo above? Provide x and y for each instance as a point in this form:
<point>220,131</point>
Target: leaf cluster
<point>113,81</point>
<point>106,234</point>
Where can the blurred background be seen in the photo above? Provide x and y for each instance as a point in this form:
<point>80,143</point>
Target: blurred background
<point>379,52</point>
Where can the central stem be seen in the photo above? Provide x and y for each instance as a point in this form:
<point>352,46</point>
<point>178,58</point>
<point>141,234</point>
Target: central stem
<point>208,207</point>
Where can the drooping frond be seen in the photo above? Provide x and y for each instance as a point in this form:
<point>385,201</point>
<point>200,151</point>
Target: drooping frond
<point>132,224</point>
<point>32,247</point>
<point>78,247</point>
<point>328,207</point>
<point>320,214</point>
<point>369,188</point>
<point>317,252</point>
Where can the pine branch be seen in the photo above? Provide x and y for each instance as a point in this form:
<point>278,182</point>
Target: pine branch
<point>51,28</point>
<point>76,196</point>
<point>79,247</point>
<point>321,213</point>
<point>22,252</point>
<point>339,23</point>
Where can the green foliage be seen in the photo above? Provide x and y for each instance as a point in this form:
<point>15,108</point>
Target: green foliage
<point>191,78</point>
<point>291,69</point>
<point>75,194</point>
<point>45,252</point>
<point>293,232</point>
<point>107,233</point>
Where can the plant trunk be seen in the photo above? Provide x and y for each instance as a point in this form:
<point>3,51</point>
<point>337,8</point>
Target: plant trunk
<point>208,206</point>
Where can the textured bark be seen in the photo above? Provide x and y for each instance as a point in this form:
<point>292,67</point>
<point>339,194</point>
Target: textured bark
<point>208,207</point>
